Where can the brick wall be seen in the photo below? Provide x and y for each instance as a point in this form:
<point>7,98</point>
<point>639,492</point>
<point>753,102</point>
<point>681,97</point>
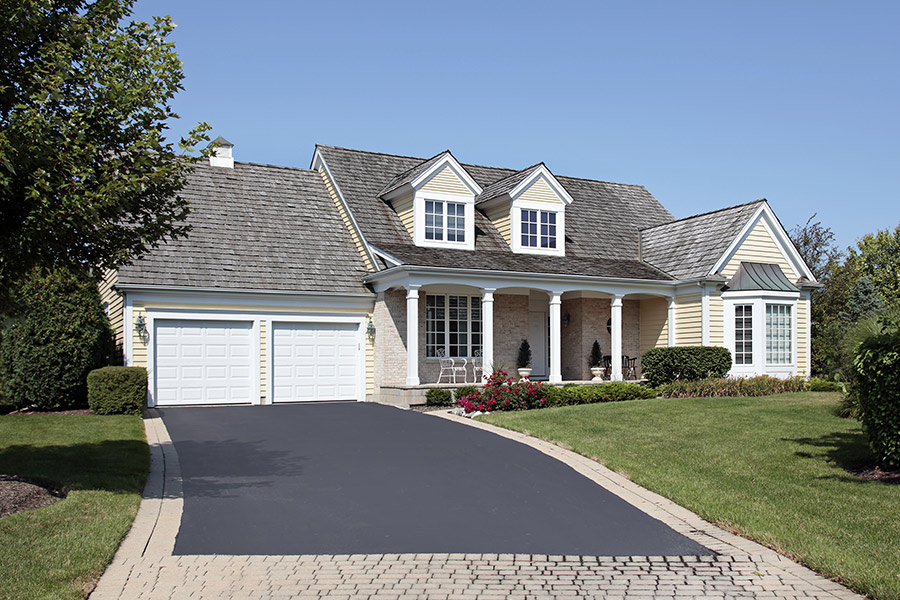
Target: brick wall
<point>587,322</point>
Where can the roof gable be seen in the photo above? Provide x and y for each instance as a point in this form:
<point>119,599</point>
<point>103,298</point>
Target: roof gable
<point>421,174</point>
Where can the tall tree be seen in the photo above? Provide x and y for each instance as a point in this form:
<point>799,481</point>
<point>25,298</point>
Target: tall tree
<point>878,257</point>
<point>87,178</point>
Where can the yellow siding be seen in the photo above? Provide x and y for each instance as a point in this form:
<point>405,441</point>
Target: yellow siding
<point>370,366</point>
<point>654,323</point>
<point>404,208</point>
<point>688,320</point>
<point>354,234</point>
<point>761,248</point>
<point>262,361</point>
<point>802,350</point>
<point>540,191</point>
<point>115,309</point>
<point>500,217</point>
<point>138,347</point>
<point>716,320</point>
<point>447,182</point>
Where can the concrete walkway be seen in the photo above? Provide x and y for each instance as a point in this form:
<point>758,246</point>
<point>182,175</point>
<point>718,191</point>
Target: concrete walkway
<point>145,566</point>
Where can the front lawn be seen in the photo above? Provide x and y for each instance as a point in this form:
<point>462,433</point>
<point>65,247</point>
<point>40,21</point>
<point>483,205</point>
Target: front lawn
<point>101,463</point>
<point>772,469</point>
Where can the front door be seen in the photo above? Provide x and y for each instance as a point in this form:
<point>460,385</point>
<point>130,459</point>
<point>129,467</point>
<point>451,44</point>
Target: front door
<point>539,340</point>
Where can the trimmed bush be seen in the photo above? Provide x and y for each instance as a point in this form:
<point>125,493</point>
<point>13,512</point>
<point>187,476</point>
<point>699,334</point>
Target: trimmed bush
<point>684,363</point>
<point>117,390</point>
<point>817,384</point>
<point>523,360</point>
<point>464,390</point>
<point>438,397</point>
<point>58,336</point>
<point>878,385</point>
<point>721,388</point>
<point>604,392</point>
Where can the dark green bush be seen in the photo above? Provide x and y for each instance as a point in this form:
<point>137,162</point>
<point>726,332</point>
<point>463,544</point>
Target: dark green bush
<point>438,397</point>
<point>878,385</point>
<point>817,384</point>
<point>684,363</point>
<point>59,335</point>
<point>714,387</point>
<point>464,390</point>
<point>590,394</point>
<point>523,360</point>
<point>117,390</point>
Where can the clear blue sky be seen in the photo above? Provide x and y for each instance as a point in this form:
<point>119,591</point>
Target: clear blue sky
<point>707,104</point>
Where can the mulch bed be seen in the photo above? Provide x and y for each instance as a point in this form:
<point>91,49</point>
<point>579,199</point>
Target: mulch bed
<point>25,411</point>
<point>17,494</point>
<point>877,474</point>
<point>428,408</point>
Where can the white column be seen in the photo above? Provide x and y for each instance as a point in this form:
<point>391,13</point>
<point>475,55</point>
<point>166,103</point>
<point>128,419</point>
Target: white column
<point>616,310</point>
<point>704,317</point>
<point>487,331</point>
<point>412,335</point>
<point>671,321</point>
<point>555,353</point>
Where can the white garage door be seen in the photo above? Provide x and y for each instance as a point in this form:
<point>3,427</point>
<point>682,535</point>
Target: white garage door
<point>315,361</point>
<point>204,362</point>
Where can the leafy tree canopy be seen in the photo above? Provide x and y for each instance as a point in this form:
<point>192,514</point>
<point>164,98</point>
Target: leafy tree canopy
<point>87,178</point>
<point>878,258</point>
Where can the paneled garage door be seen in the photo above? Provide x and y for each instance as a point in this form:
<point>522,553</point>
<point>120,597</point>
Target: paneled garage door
<point>204,362</point>
<point>315,361</point>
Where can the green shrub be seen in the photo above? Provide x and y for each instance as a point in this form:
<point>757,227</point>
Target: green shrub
<point>501,393</point>
<point>523,360</point>
<point>817,384</point>
<point>591,394</point>
<point>59,335</point>
<point>716,387</point>
<point>684,363</point>
<point>464,390</point>
<point>438,397</point>
<point>117,390</point>
<point>878,385</point>
<point>596,357</point>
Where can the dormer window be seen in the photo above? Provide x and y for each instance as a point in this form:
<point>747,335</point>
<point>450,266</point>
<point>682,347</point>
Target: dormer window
<point>445,221</point>
<point>538,229</point>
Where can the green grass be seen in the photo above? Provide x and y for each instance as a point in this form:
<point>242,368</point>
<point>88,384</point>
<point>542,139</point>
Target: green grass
<point>101,463</point>
<point>772,469</point>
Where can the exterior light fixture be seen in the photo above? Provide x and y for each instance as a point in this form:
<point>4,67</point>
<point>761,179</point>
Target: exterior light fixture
<point>370,329</point>
<point>141,326</point>
<point>566,320</point>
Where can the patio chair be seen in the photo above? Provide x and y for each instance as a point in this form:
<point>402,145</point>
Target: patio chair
<point>629,367</point>
<point>450,367</point>
<point>607,366</point>
<point>477,367</point>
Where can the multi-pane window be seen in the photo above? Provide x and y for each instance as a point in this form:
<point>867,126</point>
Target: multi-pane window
<point>779,335</point>
<point>452,323</point>
<point>743,334</point>
<point>445,220</point>
<point>538,229</point>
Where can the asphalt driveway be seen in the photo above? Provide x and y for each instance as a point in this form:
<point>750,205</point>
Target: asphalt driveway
<point>369,479</point>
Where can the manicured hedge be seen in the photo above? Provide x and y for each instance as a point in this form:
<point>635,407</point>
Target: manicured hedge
<point>117,390</point>
<point>878,383</point>
<point>591,394</point>
<point>464,390</point>
<point>684,363</point>
<point>717,387</point>
<point>817,384</point>
<point>438,397</point>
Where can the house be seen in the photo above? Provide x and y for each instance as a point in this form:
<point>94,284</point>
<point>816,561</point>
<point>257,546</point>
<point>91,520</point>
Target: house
<point>347,280</point>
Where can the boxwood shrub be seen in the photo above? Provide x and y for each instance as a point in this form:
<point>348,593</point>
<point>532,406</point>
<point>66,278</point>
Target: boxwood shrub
<point>684,363</point>
<point>117,390</point>
<point>878,385</point>
<point>464,390</point>
<point>438,397</point>
<point>591,394</point>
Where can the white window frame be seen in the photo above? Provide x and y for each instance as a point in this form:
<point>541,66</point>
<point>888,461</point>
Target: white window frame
<point>468,203</point>
<point>759,301</point>
<point>473,303</point>
<point>516,228</point>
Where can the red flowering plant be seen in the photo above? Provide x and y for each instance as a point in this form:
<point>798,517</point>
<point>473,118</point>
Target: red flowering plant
<point>500,393</point>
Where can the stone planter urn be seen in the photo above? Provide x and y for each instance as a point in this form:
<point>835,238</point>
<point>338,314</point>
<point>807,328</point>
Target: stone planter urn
<point>597,372</point>
<point>524,372</point>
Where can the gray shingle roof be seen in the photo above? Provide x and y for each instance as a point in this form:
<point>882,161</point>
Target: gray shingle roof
<point>256,227</point>
<point>603,222</point>
<point>689,248</point>
<point>503,186</point>
<point>407,176</point>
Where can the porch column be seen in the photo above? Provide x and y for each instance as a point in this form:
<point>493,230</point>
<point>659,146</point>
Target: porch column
<point>487,331</point>
<point>671,321</point>
<point>412,335</point>
<point>555,354</point>
<point>616,310</point>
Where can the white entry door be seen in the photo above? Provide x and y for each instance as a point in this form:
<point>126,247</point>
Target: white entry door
<point>204,362</point>
<point>316,361</point>
<point>539,340</point>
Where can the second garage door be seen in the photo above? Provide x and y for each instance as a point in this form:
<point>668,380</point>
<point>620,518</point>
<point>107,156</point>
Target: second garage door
<point>315,361</point>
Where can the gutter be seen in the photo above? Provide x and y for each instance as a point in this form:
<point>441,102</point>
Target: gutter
<point>511,274</point>
<point>136,287</point>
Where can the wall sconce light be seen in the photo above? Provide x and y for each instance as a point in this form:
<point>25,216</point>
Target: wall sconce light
<point>370,329</point>
<point>566,320</point>
<point>141,326</point>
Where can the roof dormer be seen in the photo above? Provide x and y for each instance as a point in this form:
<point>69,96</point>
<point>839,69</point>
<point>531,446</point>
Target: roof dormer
<point>528,209</point>
<point>435,201</point>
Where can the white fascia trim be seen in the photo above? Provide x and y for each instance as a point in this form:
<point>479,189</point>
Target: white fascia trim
<point>319,162</point>
<point>395,262</point>
<point>782,240</point>
<point>516,208</point>
<point>458,170</point>
<point>555,185</point>
<point>128,332</point>
<point>216,298</point>
<point>761,294</point>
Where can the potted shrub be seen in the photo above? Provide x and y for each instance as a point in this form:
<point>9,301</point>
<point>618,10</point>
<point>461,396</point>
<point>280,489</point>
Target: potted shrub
<point>523,361</point>
<point>594,362</point>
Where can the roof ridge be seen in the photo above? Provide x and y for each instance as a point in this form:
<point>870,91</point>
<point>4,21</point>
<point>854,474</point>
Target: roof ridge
<point>711,212</point>
<point>256,164</point>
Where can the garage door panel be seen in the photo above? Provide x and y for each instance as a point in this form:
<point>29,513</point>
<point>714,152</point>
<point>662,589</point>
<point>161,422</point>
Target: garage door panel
<point>204,362</point>
<point>315,361</point>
